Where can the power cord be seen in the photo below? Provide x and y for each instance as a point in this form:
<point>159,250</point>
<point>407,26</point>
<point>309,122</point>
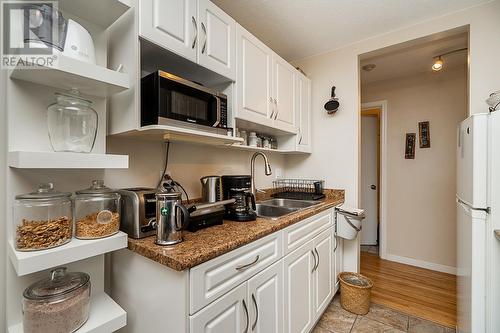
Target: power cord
<point>168,180</point>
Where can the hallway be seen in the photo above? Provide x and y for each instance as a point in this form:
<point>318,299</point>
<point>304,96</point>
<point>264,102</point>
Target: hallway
<point>412,290</point>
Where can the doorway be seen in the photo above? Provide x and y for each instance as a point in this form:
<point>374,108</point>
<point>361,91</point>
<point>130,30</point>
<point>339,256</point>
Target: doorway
<point>370,176</point>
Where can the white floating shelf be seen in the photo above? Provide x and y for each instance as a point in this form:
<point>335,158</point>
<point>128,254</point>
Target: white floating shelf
<point>278,151</point>
<point>35,261</point>
<point>99,12</point>
<point>181,134</point>
<point>105,316</point>
<point>64,160</point>
<point>68,73</point>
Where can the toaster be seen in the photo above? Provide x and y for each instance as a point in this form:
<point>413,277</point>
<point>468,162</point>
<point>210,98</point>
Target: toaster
<point>138,211</point>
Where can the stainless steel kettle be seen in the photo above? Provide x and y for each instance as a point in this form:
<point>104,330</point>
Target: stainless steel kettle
<point>211,189</point>
<point>171,218</point>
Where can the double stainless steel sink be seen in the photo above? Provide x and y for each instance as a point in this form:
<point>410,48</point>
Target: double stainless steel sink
<point>275,208</point>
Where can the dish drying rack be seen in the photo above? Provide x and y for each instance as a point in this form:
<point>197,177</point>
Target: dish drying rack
<point>298,189</point>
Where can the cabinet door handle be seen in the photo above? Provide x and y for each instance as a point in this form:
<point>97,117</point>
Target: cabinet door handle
<point>317,265</point>
<point>300,140</point>
<point>336,243</point>
<point>314,256</point>
<point>256,312</point>
<point>243,267</point>
<point>272,107</point>
<point>195,32</point>
<point>206,37</point>
<point>246,315</point>
<point>276,115</point>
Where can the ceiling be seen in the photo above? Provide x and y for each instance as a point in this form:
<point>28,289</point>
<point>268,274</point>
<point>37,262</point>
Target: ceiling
<point>296,29</point>
<point>415,58</point>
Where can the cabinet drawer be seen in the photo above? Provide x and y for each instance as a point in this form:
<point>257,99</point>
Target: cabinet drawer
<point>300,233</point>
<point>216,277</point>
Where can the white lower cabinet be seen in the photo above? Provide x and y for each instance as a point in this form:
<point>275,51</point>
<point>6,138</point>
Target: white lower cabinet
<point>265,295</point>
<point>298,283</point>
<point>324,279</point>
<point>227,314</point>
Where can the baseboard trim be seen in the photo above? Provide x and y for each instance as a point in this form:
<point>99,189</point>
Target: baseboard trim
<point>422,264</point>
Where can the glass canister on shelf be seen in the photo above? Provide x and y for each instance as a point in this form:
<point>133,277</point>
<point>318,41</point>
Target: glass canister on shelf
<point>72,123</point>
<point>59,303</point>
<point>42,219</point>
<point>97,211</point>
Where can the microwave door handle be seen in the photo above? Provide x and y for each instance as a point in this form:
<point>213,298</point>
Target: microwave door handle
<point>217,98</point>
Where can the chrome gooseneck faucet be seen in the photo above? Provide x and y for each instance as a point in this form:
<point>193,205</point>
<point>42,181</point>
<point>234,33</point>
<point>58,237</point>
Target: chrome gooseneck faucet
<point>267,168</point>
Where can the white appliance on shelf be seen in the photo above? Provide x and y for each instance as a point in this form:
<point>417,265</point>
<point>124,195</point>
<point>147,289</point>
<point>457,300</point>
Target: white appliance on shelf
<point>478,202</point>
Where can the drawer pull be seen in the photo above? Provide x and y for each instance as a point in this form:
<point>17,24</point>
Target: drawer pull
<point>256,312</point>
<point>246,314</point>
<point>317,254</point>
<point>315,261</point>
<point>243,267</point>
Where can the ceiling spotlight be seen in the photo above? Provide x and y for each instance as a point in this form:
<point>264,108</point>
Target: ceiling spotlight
<point>438,60</point>
<point>438,64</point>
<point>368,67</point>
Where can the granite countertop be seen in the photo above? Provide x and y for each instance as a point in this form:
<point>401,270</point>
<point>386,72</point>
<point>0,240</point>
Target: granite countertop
<point>206,244</point>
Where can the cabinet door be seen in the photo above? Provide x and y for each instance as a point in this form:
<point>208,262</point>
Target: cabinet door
<point>298,277</point>
<point>265,295</point>
<point>284,94</point>
<point>323,279</point>
<point>216,49</point>
<point>228,314</point>
<point>303,112</point>
<point>253,79</point>
<point>171,24</point>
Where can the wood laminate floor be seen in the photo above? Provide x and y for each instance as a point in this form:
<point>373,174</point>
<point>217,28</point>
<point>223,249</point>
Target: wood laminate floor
<point>412,290</point>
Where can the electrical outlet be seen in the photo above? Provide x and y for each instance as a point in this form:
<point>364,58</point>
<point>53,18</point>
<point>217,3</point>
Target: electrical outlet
<point>167,173</point>
<point>278,173</point>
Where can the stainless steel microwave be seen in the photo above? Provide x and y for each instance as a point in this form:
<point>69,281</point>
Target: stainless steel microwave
<point>166,96</point>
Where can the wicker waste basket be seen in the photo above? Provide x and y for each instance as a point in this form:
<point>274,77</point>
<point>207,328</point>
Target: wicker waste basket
<point>355,292</point>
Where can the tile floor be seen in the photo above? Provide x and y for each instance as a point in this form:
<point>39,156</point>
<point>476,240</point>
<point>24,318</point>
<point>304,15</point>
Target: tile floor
<point>380,319</point>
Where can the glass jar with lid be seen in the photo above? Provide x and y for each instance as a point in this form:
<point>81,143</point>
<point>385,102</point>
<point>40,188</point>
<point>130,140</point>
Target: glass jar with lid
<point>42,219</point>
<point>72,123</point>
<point>59,303</point>
<point>97,211</point>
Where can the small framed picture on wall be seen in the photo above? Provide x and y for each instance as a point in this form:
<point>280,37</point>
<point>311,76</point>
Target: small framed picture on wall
<point>410,146</point>
<point>424,134</point>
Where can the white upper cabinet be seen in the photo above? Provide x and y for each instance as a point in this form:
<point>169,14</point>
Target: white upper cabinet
<point>303,112</point>
<point>284,94</point>
<point>217,37</point>
<point>171,24</point>
<point>253,79</point>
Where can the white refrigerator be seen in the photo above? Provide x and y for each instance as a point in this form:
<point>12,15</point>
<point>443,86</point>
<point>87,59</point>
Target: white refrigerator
<point>478,202</point>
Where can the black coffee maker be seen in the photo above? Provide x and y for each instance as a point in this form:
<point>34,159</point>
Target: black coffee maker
<point>239,188</point>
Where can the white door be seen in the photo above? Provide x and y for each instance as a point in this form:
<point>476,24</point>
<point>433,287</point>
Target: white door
<point>253,79</point>
<point>337,263</point>
<point>171,24</point>
<point>216,50</point>
<point>323,279</point>
<point>471,269</point>
<point>369,178</point>
<point>298,284</point>
<point>303,112</point>
<point>265,295</point>
<point>284,95</point>
<point>228,314</point>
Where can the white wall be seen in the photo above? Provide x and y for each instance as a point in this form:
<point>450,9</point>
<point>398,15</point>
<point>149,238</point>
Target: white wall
<point>336,138</point>
<point>421,192</point>
<point>187,164</point>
